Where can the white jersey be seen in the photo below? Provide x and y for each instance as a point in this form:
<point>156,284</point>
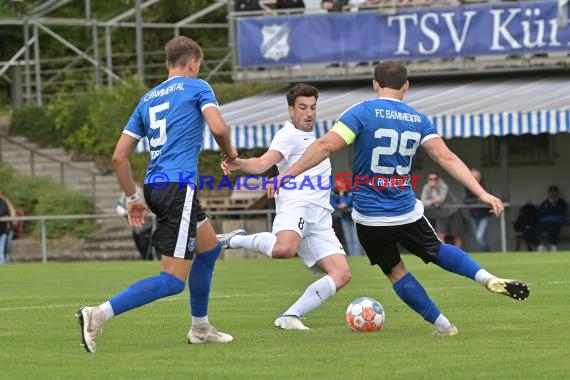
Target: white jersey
<point>312,186</point>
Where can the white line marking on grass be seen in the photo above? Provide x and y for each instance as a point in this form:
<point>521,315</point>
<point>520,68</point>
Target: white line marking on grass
<point>229,296</point>
<point>168,299</point>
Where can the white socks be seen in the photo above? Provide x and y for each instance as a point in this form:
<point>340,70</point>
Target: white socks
<point>314,296</point>
<point>483,275</point>
<point>442,323</point>
<point>262,242</point>
<point>104,312</point>
<point>199,320</point>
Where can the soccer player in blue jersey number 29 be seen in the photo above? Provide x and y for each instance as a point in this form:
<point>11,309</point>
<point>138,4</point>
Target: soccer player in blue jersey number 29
<point>387,133</point>
<point>172,116</point>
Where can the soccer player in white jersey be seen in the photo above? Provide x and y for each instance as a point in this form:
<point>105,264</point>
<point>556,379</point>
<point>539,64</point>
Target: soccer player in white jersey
<point>387,133</point>
<point>172,116</point>
<point>303,223</point>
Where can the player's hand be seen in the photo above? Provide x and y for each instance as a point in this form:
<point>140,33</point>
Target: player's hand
<point>229,156</point>
<point>275,183</point>
<point>495,204</point>
<point>272,187</point>
<point>229,166</point>
<point>137,212</point>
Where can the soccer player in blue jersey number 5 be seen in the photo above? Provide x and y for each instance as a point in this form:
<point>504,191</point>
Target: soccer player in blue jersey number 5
<point>387,133</point>
<point>172,116</point>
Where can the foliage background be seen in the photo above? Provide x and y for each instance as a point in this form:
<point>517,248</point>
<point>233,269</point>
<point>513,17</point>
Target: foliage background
<point>89,123</point>
<point>41,196</point>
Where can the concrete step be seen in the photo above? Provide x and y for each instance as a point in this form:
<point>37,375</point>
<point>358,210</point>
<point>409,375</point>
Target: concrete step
<point>76,168</point>
<point>6,145</point>
<point>111,234</point>
<point>53,152</point>
<point>19,139</point>
<point>111,245</point>
<point>24,156</point>
<point>77,176</point>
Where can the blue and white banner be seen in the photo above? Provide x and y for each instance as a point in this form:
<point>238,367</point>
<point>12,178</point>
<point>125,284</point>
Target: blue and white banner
<point>505,28</point>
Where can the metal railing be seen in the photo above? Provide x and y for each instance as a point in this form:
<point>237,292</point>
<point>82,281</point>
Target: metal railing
<point>268,213</point>
<point>62,164</point>
<point>44,219</point>
<point>502,218</point>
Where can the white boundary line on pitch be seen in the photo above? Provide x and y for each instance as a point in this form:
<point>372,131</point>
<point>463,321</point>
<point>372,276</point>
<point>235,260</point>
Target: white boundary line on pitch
<point>221,296</point>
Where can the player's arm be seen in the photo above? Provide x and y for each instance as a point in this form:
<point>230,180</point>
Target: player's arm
<point>440,153</point>
<point>125,146</point>
<point>136,208</point>
<point>258,165</point>
<point>220,131</point>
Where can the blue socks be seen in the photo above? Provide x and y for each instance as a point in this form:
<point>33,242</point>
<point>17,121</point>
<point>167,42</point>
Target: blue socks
<point>455,260</point>
<point>200,280</point>
<point>145,291</point>
<point>414,295</point>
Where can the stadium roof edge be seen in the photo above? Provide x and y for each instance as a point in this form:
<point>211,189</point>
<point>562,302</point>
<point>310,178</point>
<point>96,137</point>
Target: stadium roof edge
<point>480,107</point>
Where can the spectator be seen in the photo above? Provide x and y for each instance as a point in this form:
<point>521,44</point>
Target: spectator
<point>356,4</point>
<point>447,220</point>
<point>551,218</point>
<point>6,229</point>
<point>246,5</point>
<point>333,5</point>
<point>286,4</point>
<point>341,201</point>
<point>479,217</point>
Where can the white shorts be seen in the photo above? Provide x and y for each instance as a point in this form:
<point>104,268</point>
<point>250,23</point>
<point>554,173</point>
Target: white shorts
<point>314,224</point>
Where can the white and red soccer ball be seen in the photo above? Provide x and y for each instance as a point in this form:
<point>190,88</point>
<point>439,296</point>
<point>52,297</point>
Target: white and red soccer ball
<point>365,314</point>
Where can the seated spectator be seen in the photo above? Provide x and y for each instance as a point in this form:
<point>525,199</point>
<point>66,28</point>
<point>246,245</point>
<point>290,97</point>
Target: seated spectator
<point>333,5</point>
<point>551,218</point>
<point>356,4</point>
<point>285,4</point>
<point>246,5</point>
<point>447,221</point>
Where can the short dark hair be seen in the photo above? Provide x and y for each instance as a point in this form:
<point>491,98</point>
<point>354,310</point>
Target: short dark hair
<point>179,49</point>
<point>391,74</point>
<point>553,188</point>
<point>301,89</point>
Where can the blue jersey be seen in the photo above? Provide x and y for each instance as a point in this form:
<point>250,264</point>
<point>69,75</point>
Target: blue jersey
<point>170,116</point>
<point>388,134</point>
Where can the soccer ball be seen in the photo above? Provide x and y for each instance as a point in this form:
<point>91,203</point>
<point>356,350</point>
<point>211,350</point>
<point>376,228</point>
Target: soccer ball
<point>365,314</point>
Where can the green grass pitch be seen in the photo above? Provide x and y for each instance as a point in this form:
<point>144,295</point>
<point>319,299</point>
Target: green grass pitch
<point>499,338</point>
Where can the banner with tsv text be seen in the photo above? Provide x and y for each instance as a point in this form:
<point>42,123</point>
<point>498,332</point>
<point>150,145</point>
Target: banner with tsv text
<point>506,28</point>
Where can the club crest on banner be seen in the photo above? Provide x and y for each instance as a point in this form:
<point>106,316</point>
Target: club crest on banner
<point>275,44</point>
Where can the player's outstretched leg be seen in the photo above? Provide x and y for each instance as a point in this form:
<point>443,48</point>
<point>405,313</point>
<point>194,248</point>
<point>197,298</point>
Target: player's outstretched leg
<point>224,239</point>
<point>457,261</point>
